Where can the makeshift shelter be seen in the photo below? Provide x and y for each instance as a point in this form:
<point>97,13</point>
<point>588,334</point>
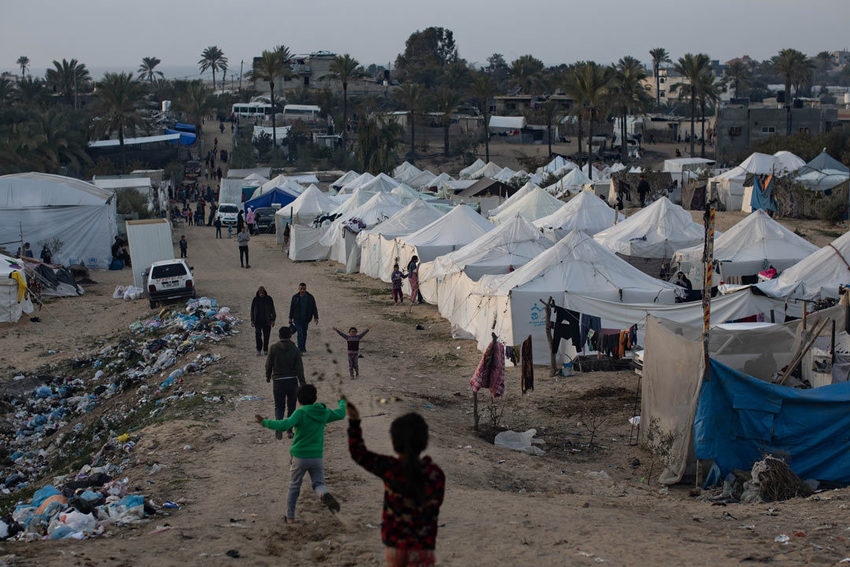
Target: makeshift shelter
<point>351,201</point>
<point>585,212</point>
<point>823,174</point>
<point>824,162</point>
<point>506,124</point>
<point>788,162</point>
<point>572,183</point>
<point>649,238</point>
<point>749,247</point>
<point>74,218</point>
<point>150,240</point>
<point>14,299</point>
<point>509,305</point>
<point>356,183</point>
<point>405,194</point>
<point>345,178</point>
<point>536,204</point>
<point>471,168</point>
<point>679,165</point>
<point>276,197</point>
<point>262,172</point>
<point>340,236</point>
<point>459,227</point>
<point>378,246</point>
<point>818,276</point>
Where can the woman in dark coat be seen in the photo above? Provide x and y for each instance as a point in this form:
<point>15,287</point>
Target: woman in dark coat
<point>263,317</point>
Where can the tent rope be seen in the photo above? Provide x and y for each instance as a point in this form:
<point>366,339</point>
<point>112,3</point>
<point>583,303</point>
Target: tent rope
<point>839,255</point>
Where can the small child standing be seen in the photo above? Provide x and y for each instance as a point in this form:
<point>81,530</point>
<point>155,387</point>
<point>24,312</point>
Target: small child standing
<point>307,449</point>
<point>353,340</point>
<point>183,246</point>
<point>413,488</point>
<point>396,277</point>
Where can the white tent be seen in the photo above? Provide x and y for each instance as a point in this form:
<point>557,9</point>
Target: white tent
<point>448,280</point>
<point>405,194</point>
<point>351,201</point>
<point>421,180</point>
<point>597,174</point>
<point>382,182</point>
<point>817,276</point>
<point>471,168</point>
<point>557,164</point>
<point>504,175</point>
<point>488,170</point>
<point>76,219</point>
<point>279,182</point>
<point>347,177</point>
<point>11,308</point>
<point>678,165</point>
<point>303,210</point>
<point>339,237</point>
<point>461,226</point>
<point>536,204</point>
<point>585,212</point>
<point>523,191</point>
<point>509,305</point>
<point>356,183</point>
<point>788,161</point>
<point>654,232</point>
<point>437,182</point>
<point>405,171</point>
<point>572,183</point>
<point>378,248</point>
<point>746,249</point>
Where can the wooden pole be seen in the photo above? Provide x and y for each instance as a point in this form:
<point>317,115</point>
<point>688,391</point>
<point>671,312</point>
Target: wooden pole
<point>708,265</point>
<point>552,362</point>
<point>832,344</point>
<point>804,314</point>
<point>799,357</point>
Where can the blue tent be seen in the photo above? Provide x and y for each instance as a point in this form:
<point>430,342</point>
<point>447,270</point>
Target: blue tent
<point>739,419</point>
<point>183,127</point>
<point>276,196</point>
<point>186,139</point>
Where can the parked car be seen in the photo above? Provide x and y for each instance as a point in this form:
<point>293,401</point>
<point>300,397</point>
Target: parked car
<point>227,212</point>
<point>170,279</point>
<point>264,218</point>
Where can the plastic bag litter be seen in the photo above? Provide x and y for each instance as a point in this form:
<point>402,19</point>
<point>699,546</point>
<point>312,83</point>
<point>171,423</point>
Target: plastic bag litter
<point>4,530</point>
<point>132,292</point>
<point>78,521</point>
<point>597,475</point>
<point>119,292</point>
<point>517,441</point>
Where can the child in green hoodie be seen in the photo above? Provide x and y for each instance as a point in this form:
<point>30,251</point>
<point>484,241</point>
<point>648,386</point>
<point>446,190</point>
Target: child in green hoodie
<point>307,449</point>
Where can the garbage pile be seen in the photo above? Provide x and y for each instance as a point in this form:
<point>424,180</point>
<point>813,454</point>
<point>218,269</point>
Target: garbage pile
<point>770,479</point>
<point>50,417</point>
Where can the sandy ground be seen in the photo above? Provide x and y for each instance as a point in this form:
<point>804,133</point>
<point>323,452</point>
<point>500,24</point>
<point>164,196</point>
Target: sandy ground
<point>501,506</point>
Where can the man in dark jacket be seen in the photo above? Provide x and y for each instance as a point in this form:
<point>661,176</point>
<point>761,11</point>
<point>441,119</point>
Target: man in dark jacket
<point>643,190</point>
<point>302,310</point>
<point>262,319</point>
<point>285,368</point>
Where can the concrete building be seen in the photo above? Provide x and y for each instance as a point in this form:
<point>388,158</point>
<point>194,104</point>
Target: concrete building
<point>519,104</point>
<point>740,126</point>
<point>841,57</point>
<point>307,71</point>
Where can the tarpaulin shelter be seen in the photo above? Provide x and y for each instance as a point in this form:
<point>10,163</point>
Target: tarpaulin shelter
<point>305,208</point>
<point>382,182</point>
<point>488,170</point>
<point>572,182</point>
<point>405,172</point>
<point>276,197</point>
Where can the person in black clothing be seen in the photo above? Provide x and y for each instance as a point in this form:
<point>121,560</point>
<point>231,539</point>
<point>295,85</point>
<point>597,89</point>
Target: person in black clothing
<point>263,317</point>
<point>302,310</point>
<point>240,222</point>
<point>119,251</point>
<point>683,281</point>
<point>285,367</point>
<point>643,190</point>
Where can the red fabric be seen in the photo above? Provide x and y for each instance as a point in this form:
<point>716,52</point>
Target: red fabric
<point>491,370</point>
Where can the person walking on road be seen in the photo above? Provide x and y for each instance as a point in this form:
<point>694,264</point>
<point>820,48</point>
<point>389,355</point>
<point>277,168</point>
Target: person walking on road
<point>183,246</point>
<point>240,222</point>
<point>353,340</point>
<point>302,310</point>
<point>249,220</point>
<point>242,239</point>
<point>263,317</point>
<point>285,368</point>
<point>217,227</point>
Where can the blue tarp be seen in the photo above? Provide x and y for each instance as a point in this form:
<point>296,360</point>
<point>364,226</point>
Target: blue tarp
<point>184,127</point>
<point>276,196</point>
<point>186,139</point>
<point>763,194</point>
<point>739,419</point>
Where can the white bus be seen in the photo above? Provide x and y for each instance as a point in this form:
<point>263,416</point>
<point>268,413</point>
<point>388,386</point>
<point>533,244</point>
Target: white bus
<point>306,112</point>
<point>251,109</point>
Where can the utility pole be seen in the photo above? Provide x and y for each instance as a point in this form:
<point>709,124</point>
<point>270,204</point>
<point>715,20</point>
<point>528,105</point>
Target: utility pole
<point>241,63</point>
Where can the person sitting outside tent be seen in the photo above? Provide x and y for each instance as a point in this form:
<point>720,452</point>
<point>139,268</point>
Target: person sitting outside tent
<point>26,252</point>
<point>119,251</point>
<point>46,255</point>
<point>682,280</point>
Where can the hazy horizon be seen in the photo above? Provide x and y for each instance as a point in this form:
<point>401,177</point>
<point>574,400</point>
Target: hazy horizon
<point>375,31</point>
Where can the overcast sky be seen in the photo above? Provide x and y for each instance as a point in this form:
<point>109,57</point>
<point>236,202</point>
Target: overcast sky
<point>118,33</point>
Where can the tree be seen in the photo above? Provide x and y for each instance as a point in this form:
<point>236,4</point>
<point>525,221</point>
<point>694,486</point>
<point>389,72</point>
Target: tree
<point>7,90</point>
<point>212,58</point>
<point>344,68</point>
<point>483,89</point>
<point>794,67</point>
<point>823,63</point>
<point>426,55</point>
<point>61,141</point>
<point>32,91</point>
<point>446,100</point>
<point>121,97</point>
<point>659,57</point>
<point>410,95</point>
<point>67,77</point>
<point>24,63</point>
<point>147,70</point>
<point>738,74</point>
<point>195,99</point>
<point>707,92</point>
<point>691,67</point>
<point>594,84</point>
<point>628,94</point>
<point>571,85</point>
<point>498,69</point>
<point>376,145</point>
<point>271,66</point>
<point>525,72</point>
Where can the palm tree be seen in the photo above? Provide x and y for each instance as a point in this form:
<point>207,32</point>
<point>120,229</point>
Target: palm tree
<point>61,141</point>
<point>707,92</point>
<point>195,99</point>
<point>738,74</point>
<point>344,68</point>
<point>594,83</point>
<point>271,66</point>
<point>549,112</point>
<point>446,100</point>
<point>67,77</point>
<point>7,90</point>
<point>629,94</point>
<point>32,91</point>
<point>691,67</point>
<point>526,71</point>
<point>483,89</point>
<point>147,70</point>
<point>410,95</point>
<point>659,56</point>
<point>571,86</point>
<point>121,97</point>
<point>792,65</point>
<point>376,145</point>
<point>24,63</point>
<point>212,58</point>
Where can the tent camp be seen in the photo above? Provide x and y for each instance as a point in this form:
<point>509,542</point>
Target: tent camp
<point>649,238</point>
<point>348,176</point>
<point>378,247</point>
<point>405,171</point>
<point>516,196</point>
<point>536,204</point>
<point>504,175</point>
<point>76,219</point>
<point>558,165</point>
<point>571,183</point>
<point>356,183</point>
<point>509,305</point>
<point>421,180</point>
<point>471,168</point>
<point>817,276</point>
<point>488,170</point>
<point>585,212</point>
<point>746,249</point>
<point>382,182</point>
<point>448,233</point>
<point>14,300</point>
<point>304,209</point>
<point>678,165</point>
<point>276,197</point>
<point>437,182</point>
<point>823,173</point>
<point>405,194</point>
<point>351,201</point>
<point>340,236</point>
